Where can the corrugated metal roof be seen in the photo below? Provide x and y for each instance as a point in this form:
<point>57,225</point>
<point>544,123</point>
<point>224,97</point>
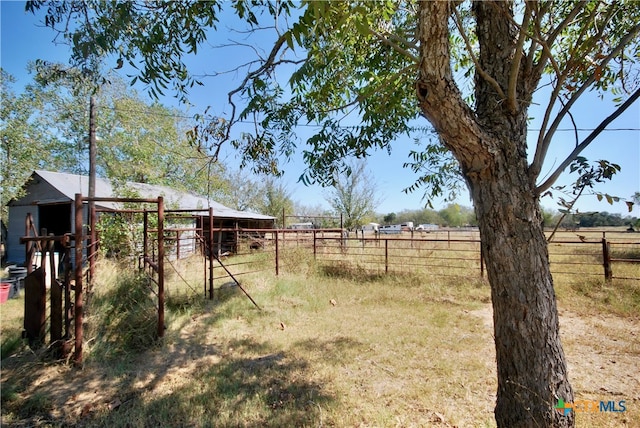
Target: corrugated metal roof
<point>70,184</point>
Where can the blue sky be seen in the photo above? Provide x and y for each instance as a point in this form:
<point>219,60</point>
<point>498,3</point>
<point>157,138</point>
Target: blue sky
<point>24,39</point>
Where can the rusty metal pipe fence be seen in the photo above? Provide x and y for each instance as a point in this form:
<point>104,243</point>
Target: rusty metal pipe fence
<point>453,253</point>
<point>443,253</point>
<point>249,252</point>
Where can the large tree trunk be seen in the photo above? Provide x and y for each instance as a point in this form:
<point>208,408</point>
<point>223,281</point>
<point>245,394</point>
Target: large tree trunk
<point>490,144</point>
<point>532,373</point>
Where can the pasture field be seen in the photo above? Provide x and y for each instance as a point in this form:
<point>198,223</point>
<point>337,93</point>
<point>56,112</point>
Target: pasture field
<point>457,253</point>
<point>329,347</point>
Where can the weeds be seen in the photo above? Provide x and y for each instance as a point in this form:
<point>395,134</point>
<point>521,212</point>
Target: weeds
<point>123,317</point>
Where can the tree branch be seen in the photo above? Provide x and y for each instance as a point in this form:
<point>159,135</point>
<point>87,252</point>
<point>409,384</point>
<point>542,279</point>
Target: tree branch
<point>580,147</point>
<point>544,143</point>
<point>554,34</point>
<point>387,40</point>
<point>438,95</point>
<point>268,63</point>
<point>479,69</point>
<point>515,64</point>
<point>564,214</point>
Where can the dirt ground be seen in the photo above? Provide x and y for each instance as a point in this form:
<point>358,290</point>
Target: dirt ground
<point>603,355</point>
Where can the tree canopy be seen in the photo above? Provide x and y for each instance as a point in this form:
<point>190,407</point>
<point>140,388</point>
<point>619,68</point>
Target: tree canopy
<point>350,68</point>
<point>46,127</point>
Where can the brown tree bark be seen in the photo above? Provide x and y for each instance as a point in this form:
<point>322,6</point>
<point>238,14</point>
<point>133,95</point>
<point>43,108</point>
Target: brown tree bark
<point>532,372</point>
<point>490,144</point>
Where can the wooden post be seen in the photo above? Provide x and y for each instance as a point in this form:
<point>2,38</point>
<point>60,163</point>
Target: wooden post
<point>177,245</point>
<point>92,246</point>
<point>481,262</point>
<point>145,238</point>
<point>160,266</point>
<point>606,259</point>
<point>219,251</point>
<point>30,247</point>
<point>78,286</point>
<point>236,238</point>
<point>35,306</point>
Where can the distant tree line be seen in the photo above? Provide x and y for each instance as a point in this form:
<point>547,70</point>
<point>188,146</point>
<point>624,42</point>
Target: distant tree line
<point>455,215</point>
<point>599,219</point>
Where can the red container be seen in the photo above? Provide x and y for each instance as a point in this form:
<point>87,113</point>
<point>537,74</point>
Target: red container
<point>4,291</point>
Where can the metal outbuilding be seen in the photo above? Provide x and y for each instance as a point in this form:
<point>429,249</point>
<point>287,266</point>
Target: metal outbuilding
<point>49,198</point>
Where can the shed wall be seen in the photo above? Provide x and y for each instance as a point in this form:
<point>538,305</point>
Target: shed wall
<point>15,230</point>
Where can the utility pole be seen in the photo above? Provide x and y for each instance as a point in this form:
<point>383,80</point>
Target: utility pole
<point>92,147</point>
<point>92,247</point>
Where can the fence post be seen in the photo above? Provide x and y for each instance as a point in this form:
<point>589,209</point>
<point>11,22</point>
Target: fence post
<point>481,262</point>
<point>92,245</point>
<point>277,254</point>
<point>160,266</point>
<point>56,299</point>
<point>386,255</point>
<point>67,288</point>
<point>315,245</point>
<point>606,260</point>
<point>145,238</point>
<point>177,245</point>
<point>236,238</point>
<point>77,307</point>
<point>210,254</point>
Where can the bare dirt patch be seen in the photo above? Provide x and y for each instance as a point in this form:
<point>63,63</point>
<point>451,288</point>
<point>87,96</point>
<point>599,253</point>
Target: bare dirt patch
<point>602,352</point>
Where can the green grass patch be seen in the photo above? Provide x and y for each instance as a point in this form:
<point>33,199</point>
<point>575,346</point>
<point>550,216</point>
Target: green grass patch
<point>11,326</point>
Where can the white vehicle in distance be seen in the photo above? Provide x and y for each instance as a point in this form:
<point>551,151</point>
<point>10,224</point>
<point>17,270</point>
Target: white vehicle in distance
<point>397,228</point>
<point>427,227</point>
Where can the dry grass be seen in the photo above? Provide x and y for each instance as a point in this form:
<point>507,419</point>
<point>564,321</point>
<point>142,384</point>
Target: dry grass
<point>329,348</point>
